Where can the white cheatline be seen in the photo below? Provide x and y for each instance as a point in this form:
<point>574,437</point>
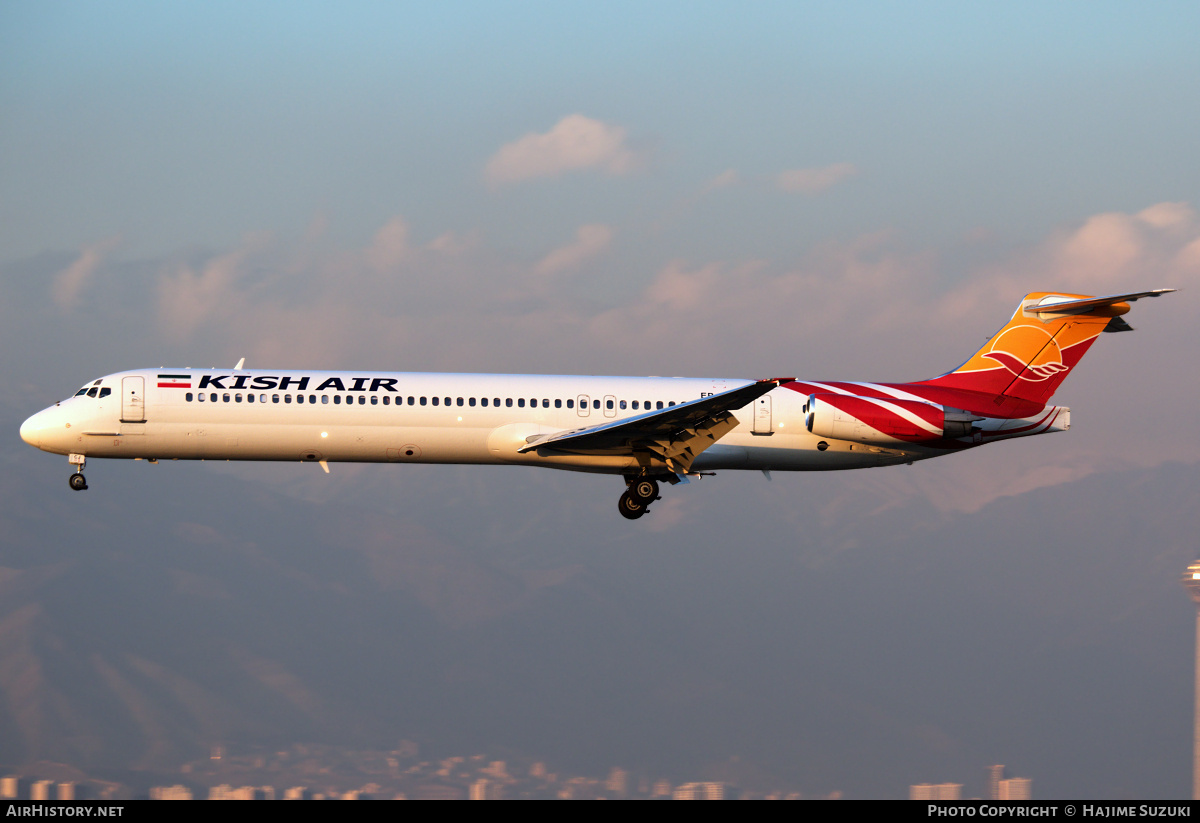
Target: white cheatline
<point>905,414</point>
<point>899,394</point>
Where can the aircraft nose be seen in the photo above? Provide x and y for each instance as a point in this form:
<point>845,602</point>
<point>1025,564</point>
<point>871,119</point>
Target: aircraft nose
<point>31,431</point>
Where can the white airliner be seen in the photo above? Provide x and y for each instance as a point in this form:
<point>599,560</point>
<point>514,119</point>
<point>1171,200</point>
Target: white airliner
<point>645,429</point>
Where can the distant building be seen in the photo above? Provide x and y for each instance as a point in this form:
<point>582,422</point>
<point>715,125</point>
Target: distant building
<point>298,793</point>
<point>227,792</point>
<point>618,782</point>
<point>485,789</point>
<point>700,791</point>
<point>176,792</point>
<point>13,787</point>
<point>1016,788</point>
<point>935,791</point>
<point>436,791</point>
<point>995,775</point>
<point>1191,582</point>
<point>42,790</point>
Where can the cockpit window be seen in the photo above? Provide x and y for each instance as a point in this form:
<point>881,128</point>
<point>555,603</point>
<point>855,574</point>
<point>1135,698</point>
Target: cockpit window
<point>105,392</point>
<point>81,391</point>
<point>92,391</point>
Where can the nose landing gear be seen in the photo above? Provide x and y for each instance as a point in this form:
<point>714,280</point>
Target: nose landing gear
<point>77,481</point>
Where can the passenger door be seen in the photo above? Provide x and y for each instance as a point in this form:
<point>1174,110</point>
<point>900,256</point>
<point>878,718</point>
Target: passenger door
<point>133,400</point>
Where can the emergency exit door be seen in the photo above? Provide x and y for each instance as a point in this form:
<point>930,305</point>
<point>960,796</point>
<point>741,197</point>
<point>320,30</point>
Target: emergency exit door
<point>762,415</point>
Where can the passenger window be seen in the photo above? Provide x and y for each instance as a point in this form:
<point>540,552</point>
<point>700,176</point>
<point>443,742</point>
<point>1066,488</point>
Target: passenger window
<point>422,401</point>
<point>608,404</point>
<point>374,400</point>
<point>299,398</point>
<point>508,402</point>
<point>213,397</point>
<point>447,401</point>
<point>496,402</point>
<point>274,398</point>
<point>287,398</point>
<point>470,401</point>
<point>483,401</point>
<point>188,397</point>
<point>570,403</point>
<point>595,404</point>
<point>622,404</point>
<point>362,400</point>
<point>435,401</point>
<point>200,397</point>
<point>262,398</point>
<point>324,400</point>
<point>460,401</point>
<point>635,405</point>
<point>659,405</point>
<point>545,403</point>
<point>312,398</point>
<point>249,398</point>
<point>672,403</point>
<point>386,401</point>
<point>558,402</point>
<point>521,402</point>
<point>237,397</point>
<point>337,400</point>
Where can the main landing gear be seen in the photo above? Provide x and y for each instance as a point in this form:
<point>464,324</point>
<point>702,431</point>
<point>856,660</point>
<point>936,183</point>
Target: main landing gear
<point>640,493</point>
<point>77,481</point>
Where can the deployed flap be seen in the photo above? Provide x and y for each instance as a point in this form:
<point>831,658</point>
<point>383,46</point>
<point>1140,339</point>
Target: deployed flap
<point>676,434</point>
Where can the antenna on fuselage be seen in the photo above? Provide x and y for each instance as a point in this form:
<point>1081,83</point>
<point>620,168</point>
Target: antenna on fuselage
<point>241,363</point>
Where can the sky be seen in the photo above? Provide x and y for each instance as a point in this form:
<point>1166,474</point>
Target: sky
<point>860,191</point>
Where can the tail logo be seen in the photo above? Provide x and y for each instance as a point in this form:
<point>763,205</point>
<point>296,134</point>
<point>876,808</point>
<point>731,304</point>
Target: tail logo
<point>1028,352</point>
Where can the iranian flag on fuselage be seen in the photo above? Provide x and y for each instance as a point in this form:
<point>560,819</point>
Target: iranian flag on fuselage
<point>174,381</point>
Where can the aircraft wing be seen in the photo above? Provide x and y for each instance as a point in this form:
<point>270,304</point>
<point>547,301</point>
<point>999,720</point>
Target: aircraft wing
<point>674,435</point>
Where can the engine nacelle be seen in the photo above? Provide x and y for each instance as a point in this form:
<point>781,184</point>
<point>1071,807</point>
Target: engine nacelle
<point>884,421</point>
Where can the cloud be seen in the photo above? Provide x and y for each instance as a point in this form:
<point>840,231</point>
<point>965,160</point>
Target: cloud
<point>574,143</point>
<point>1116,247</point>
<point>190,299</point>
<point>389,246</point>
<point>590,240</point>
<point>724,180</point>
<point>69,283</point>
<point>815,180</point>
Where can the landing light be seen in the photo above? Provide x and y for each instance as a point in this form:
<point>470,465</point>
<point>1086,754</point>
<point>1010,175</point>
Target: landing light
<point>324,434</point>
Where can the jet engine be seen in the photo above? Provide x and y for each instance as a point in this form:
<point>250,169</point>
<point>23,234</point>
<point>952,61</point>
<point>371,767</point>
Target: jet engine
<point>884,421</point>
